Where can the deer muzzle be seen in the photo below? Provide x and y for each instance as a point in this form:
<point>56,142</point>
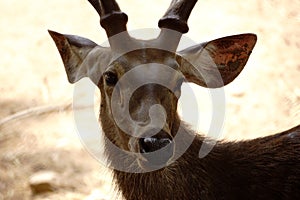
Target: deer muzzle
<point>156,150</point>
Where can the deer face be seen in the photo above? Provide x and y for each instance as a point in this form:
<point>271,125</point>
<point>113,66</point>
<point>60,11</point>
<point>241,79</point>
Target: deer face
<point>141,92</point>
<point>140,80</point>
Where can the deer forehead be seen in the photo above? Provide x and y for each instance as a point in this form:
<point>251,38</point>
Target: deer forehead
<point>147,64</point>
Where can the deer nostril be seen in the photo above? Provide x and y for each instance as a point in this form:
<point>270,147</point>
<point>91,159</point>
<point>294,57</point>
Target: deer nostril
<point>152,144</point>
<point>157,151</point>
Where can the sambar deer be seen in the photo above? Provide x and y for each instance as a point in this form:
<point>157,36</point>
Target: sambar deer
<point>143,122</point>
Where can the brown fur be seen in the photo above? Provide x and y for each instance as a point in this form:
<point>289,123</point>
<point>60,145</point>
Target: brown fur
<point>264,168</point>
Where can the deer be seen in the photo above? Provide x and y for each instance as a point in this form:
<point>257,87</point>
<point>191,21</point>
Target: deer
<point>160,152</point>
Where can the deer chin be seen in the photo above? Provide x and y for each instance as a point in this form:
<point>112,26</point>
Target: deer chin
<point>147,165</point>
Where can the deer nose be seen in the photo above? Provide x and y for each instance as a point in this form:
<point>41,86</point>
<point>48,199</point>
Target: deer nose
<point>157,149</point>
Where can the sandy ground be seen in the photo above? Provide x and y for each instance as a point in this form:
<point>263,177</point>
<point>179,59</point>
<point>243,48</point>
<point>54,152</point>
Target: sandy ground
<point>264,99</point>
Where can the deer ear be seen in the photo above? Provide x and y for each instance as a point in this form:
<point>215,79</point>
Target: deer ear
<point>216,63</point>
<point>81,57</point>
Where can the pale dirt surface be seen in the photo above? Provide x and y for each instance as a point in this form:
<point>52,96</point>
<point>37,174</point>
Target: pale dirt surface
<point>264,99</point>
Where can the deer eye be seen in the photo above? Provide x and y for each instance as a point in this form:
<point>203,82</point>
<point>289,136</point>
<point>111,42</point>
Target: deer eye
<point>110,78</point>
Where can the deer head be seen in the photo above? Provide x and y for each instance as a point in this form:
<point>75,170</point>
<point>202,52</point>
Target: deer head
<point>140,80</point>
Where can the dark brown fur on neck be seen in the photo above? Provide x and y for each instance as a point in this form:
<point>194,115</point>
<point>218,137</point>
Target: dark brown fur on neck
<point>264,168</point>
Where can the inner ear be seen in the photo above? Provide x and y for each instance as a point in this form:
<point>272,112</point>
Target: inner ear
<point>231,54</point>
<point>81,57</point>
<point>218,62</point>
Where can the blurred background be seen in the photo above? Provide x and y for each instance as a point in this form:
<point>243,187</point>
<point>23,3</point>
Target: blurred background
<point>38,138</point>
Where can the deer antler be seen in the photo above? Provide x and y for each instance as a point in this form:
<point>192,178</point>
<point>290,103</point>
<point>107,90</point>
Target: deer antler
<point>177,15</point>
<point>176,19</point>
<point>112,19</point>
